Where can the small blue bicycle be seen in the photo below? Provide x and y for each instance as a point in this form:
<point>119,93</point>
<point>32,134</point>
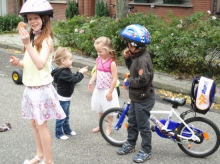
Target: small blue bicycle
<point>196,136</point>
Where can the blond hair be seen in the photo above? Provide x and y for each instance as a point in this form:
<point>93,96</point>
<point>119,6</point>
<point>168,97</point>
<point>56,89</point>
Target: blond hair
<point>61,53</point>
<point>106,45</point>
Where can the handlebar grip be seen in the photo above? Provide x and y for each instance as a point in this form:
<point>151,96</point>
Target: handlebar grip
<point>126,83</point>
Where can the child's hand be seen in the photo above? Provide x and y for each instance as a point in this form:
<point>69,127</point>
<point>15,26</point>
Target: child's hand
<point>126,53</point>
<point>109,96</point>
<point>24,35</point>
<point>14,61</point>
<point>83,70</point>
<point>90,87</point>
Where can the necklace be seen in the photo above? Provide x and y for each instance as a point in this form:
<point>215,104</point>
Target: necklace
<point>37,32</point>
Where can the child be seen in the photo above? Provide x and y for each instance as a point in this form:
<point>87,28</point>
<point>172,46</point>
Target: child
<point>104,95</point>
<point>65,80</point>
<point>40,100</point>
<point>141,90</point>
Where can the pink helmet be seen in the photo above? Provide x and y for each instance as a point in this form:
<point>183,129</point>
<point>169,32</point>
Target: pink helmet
<point>40,7</point>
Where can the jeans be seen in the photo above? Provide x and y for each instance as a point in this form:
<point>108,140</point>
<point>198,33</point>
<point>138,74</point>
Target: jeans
<point>62,126</point>
<point>138,121</point>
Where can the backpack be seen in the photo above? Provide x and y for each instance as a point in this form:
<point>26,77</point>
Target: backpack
<point>203,95</point>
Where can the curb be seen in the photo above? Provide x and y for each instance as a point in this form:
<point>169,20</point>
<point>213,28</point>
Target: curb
<point>9,46</point>
<point>161,80</point>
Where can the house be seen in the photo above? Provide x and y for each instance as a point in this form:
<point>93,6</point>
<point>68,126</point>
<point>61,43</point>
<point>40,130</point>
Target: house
<point>158,7</point>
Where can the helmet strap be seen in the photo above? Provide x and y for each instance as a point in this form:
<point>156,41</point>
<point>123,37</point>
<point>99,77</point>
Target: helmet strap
<point>32,39</point>
<point>136,48</point>
<point>45,21</point>
<point>132,53</point>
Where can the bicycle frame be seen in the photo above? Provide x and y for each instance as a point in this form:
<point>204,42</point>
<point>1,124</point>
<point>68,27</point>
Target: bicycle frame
<point>163,128</point>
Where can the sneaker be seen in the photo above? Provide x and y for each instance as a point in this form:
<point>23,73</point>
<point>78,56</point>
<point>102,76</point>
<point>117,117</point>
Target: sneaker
<point>72,133</point>
<point>126,148</point>
<point>64,137</point>
<point>141,157</point>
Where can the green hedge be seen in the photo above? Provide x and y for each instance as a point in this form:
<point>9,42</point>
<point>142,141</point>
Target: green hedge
<point>187,45</point>
<point>9,22</point>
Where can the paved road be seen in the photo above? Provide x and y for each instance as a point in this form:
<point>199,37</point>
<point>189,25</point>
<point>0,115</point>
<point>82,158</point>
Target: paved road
<point>84,148</point>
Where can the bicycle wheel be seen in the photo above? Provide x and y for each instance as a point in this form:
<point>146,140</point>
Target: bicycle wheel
<point>208,133</point>
<point>108,120</point>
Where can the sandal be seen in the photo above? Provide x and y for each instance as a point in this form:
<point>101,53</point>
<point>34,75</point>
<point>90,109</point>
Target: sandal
<point>5,127</point>
<point>36,158</point>
<point>95,130</point>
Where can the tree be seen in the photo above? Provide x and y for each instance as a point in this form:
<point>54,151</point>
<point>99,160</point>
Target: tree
<point>121,8</point>
<point>102,9</point>
<point>72,9</point>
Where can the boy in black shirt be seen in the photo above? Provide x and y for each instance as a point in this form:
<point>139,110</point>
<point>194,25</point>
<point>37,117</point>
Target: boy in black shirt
<point>141,91</point>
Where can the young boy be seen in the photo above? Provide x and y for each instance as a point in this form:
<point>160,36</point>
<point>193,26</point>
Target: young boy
<point>66,81</point>
<point>141,90</point>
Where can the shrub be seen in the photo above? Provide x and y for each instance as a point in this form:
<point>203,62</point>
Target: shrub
<point>72,9</point>
<point>188,45</point>
<point>9,22</point>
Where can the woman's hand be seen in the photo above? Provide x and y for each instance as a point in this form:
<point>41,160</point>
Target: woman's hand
<point>14,61</point>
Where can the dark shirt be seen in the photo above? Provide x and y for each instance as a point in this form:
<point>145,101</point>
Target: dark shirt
<point>66,80</point>
<point>141,77</point>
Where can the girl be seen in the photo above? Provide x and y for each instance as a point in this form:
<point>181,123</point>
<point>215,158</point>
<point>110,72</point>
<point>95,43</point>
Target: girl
<point>66,81</point>
<point>40,100</point>
<point>104,95</point>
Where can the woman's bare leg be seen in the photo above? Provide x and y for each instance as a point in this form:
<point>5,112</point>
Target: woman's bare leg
<point>46,142</point>
<point>40,153</point>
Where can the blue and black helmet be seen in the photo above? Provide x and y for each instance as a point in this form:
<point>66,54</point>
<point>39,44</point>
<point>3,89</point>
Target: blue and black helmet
<point>137,35</point>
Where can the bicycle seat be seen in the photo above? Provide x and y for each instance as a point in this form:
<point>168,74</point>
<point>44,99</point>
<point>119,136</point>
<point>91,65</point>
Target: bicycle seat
<point>176,101</point>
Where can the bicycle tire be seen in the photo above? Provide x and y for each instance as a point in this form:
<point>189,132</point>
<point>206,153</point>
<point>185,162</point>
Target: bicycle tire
<point>205,147</point>
<point>116,137</point>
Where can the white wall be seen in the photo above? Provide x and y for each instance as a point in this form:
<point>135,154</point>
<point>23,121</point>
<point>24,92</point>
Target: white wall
<point>3,7</point>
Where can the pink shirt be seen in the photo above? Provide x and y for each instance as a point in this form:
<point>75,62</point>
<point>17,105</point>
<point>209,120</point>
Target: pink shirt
<point>104,74</point>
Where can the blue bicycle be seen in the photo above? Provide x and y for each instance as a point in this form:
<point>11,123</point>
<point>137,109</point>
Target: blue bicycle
<point>196,136</point>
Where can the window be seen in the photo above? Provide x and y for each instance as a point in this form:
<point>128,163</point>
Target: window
<point>159,2</point>
<point>58,1</point>
<point>218,7</point>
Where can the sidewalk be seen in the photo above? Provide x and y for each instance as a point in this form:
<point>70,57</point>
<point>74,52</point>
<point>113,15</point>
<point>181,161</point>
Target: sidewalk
<point>161,80</point>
